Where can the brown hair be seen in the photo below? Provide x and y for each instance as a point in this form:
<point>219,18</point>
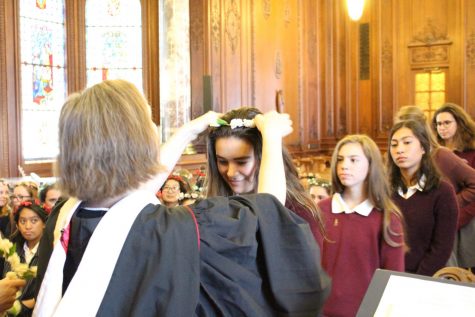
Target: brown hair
<point>379,193</point>
<point>464,138</point>
<point>108,142</point>
<point>217,186</point>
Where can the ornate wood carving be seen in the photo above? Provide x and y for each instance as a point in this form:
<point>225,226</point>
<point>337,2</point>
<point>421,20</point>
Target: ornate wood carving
<point>387,56</point>
<point>3,94</point>
<point>196,27</point>
<point>216,26</point>
<point>266,8</point>
<point>287,12</point>
<point>430,35</point>
<point>233,25</point>
<point>278,65</point>
<point>429,47</point>
<point>471,50</point>
<point>430,54</point>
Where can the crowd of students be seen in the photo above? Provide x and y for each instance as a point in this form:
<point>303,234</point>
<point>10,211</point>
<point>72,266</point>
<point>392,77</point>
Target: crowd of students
<point>244,236</point>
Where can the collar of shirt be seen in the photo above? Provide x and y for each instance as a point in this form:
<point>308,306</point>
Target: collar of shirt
<point>419,186</point>
<point>29,254</point>
<point>339,206</point>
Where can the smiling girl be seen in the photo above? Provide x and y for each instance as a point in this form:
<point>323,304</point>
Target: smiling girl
<point>234,156</point>
<point>428,203</point>
<point>364,226</point>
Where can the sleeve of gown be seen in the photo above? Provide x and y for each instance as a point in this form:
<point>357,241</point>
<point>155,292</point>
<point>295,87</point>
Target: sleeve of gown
<point>46,246</point>
<point>262,254</point>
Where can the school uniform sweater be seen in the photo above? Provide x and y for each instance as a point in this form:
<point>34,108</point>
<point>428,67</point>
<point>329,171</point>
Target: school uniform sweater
<point>462,177</point>
<point>431,220</point>
<point>468,156</point>
<point>356,248</point>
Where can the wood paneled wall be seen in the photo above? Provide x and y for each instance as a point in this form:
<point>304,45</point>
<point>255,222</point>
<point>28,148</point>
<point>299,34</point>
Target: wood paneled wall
<point>336,76</point>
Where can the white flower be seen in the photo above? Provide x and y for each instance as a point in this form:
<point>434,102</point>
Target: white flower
<point>5,246</point>
<point>194,195</point>
<point>14,261</point>
<point>238,123</point>
<point>15,309</point>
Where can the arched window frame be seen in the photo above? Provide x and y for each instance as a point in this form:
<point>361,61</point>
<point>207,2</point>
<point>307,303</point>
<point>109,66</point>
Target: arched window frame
<point>10,89</point>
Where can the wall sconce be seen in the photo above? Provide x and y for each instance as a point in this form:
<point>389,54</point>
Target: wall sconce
<point>355,9</point>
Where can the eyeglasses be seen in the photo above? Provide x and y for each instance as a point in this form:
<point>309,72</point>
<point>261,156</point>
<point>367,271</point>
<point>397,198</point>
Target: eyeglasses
<point>171,188</point>
<point>19,197</point>
<point>445,123</point>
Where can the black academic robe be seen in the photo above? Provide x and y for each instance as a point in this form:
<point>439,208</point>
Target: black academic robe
<point>255,258</point>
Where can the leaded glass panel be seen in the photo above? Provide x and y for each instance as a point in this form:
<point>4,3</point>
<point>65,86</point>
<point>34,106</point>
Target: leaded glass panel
<point>43,76</point>
<point>114,41</point>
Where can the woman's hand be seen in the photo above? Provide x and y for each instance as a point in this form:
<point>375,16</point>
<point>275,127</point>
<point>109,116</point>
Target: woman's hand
<point>200,124</point>
<point>274,124</point>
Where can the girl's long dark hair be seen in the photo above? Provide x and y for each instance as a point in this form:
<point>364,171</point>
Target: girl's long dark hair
<point>427,166</point>
<point>216,184</point>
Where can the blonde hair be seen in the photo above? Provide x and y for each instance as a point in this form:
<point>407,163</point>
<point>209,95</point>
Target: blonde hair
<point>379,192</point>
<point>108,142</point>
<point>5,210</point>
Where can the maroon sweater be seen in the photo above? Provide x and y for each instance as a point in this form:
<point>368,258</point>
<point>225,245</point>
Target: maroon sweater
<point>462,177</point>
<point>468,156</point>
<point>307,216</point>
<point>356,248</point>
<point>431,220</point>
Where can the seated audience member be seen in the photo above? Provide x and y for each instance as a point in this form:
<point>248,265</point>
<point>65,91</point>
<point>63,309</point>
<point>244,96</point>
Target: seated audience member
<point>455,129</point>
<point>24,191</point>
<point>30,219</point>
<point>5,209</point>
<point>319,189</point>
<point>427,202</point>
<point>49,195</point>
<point>112,249</point>
<point>173,191</point>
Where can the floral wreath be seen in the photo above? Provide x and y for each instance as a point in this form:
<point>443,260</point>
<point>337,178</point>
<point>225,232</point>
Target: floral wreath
<point>196,193</point>
<point>234,123</point>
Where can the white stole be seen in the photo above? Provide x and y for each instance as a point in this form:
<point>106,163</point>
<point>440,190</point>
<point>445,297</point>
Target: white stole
<point>88,286</point>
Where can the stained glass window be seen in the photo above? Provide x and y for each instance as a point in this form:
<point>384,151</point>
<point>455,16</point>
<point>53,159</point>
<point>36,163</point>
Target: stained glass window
<point>114,41</point>
<point>430,90</point>
<point>43,81</point>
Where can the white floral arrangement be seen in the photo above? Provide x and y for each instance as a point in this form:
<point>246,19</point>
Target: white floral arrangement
<point>234,123</point>
<point>197,192</point>
<point>18,269</point>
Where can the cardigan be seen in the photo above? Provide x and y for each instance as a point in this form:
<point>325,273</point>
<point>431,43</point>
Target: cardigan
<point>431,221</point>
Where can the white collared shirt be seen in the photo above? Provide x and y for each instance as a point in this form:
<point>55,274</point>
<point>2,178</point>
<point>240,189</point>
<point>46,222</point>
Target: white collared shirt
<point>29,254</point>
<point>339,206</point>
<point>419,186</point>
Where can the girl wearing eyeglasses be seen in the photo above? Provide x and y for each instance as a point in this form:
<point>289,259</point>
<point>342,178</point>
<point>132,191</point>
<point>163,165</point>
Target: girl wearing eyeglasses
<point>455,129</point>
<point>170,192</point>
<point>24,191</point>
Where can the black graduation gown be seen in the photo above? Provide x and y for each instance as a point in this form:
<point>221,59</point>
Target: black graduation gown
<point>255,258</point>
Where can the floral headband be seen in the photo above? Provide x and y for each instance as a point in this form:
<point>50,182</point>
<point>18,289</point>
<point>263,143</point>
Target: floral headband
<point>319,182</point>
<point>234,123</point>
